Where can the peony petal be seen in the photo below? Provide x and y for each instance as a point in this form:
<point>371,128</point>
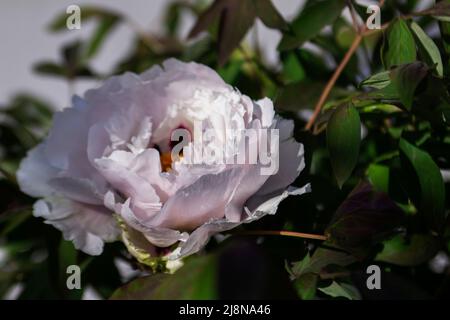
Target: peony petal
<point>200,71</point>
<point>265,112</point>
<point>88,227</point>
<point>200,237</point>
<point>250,182</point>
<point>115,171</point>
<point>35,172</point>
<point>161,237</point>
<point>291,160</point>
<point>251,179</point>
<point>81,190</point>
<point>200,202</point>
<point>65,145</point>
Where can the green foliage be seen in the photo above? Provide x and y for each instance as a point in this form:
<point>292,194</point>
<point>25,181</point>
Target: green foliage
<point>363,219</point>
<point>343,139</point>
<point>195,280</point>
<point>344,290</point>
<point>235,19</point>
<point>406,79</point>
<point>399,46</point>
<point>429,190</point>
<point>428,49</point>
<point>377,81</point>
<point>374,156</point>
<point>311,20</point>
<point>409,252</point>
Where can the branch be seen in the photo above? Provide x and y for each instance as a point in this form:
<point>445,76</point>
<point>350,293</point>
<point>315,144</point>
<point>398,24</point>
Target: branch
<point>326,91</point>
<point>333,79</point>
<point>282,233</point>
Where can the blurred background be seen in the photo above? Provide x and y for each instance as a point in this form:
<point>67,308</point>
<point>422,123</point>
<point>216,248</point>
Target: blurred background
<point>26,40</point>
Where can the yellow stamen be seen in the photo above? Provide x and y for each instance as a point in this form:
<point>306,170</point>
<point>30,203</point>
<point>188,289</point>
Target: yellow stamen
<point>166,161</point>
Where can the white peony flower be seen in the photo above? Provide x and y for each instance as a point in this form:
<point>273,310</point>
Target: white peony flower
<point>103,171</point>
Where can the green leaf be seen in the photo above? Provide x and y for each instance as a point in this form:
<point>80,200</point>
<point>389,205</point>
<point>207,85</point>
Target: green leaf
<point>377,81</point>
<point>429,183</point>
<point>398,46</point>
<point>344,33</point>
<point>235,17</point>
<point>320,259</point>
<point>364,218</point>
<point>269,15</point>
<point>105,26</point>
<point>67,255</point>
<point>293,70</point>
<point>380,108</point>
<point>379,177</point>
<point>107,20</point>
<point>388,93</point>
<point>195,280</point>
<point>306,286</point>
<point>440,10</point>
<point>409,252</point>
<point>50,68</point>
<point>311,20</point>
<point>406,78</point>
<point>342,290</point>
<point>289,99</point>
<point>15,219</point>
<point>444,28</point>
<point>173,15</point>
<point>73,64</point>
<point>343,139</point>
<point>231,71</point>
<point>429,49</point>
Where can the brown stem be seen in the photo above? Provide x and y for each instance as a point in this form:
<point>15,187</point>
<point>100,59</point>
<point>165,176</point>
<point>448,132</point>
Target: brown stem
<point>332,81</point>
<point>8,176</point>
<point>326,91</point>
<point>326,276</point>
<point>282,233</point>
<point>353,15</point>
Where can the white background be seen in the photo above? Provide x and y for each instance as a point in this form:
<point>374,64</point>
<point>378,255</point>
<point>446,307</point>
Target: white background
<point>25,41</point>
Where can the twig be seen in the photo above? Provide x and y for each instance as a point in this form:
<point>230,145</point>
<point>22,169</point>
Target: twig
<point>353,15</point>
<point>332,81</point>
<point>326,91</point>
<point>8,176</point>
<point>334,275</point>
<point>148,39</point>
<point>282,233</point>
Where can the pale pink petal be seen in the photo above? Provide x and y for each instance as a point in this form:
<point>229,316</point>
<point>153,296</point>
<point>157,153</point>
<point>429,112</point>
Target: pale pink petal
<point>35,172</point>
<point>200,202</point>
<point>88,227</point>
<point>200,237</point>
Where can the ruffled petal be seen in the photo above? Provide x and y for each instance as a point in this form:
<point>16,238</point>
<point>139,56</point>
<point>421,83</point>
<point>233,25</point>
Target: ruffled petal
<point>161,237</point>
<point>291,160</point>
<point>200,202</point>
<point>35,172</point>
<point>88,227</point>
<point>200,237</point>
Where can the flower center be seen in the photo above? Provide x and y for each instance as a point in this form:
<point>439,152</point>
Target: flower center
<point>166,157</point>
<point>166,161</point>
